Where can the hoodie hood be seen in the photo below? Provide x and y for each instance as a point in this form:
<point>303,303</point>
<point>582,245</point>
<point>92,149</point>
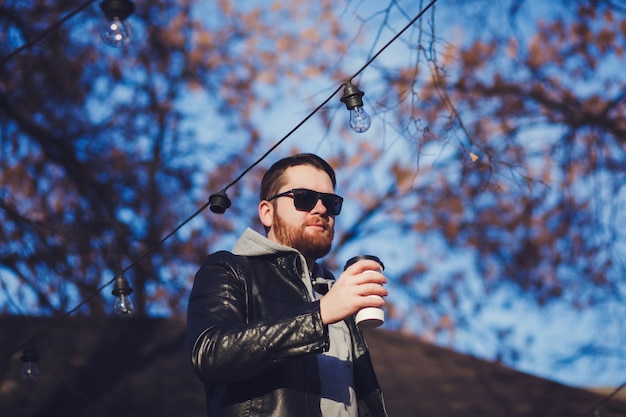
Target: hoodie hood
<point>252,243</point>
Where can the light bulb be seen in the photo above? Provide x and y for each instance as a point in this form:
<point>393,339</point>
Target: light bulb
<point>30,369</point>
<point>360,121</point>
<point>123,305</point>
<point>115,33</point>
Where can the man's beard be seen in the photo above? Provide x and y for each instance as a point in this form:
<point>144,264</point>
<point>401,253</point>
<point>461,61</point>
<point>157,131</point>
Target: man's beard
<point>315,245</point>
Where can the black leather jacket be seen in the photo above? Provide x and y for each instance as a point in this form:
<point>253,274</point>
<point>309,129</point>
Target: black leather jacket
<point>254,335</point>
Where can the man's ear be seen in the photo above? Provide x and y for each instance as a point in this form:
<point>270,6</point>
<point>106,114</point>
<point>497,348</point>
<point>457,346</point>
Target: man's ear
<point>266,213</point>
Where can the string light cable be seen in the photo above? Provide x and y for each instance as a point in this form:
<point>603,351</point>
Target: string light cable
<point>595,410</point>
<point>46,32</point>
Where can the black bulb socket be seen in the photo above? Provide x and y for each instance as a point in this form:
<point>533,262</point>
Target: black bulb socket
<point>117,8</point>
<point>219,202</point>
<point>29,354</point>
<point>121,286</point>
<point>352,96</point>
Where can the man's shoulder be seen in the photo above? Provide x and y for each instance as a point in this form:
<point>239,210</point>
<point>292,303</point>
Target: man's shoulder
<point>224,263</point>
<point>222,254</point>
<point>227,257</point>
<point>236,257</point>
<point>244,263</point>
<point>224,257</point>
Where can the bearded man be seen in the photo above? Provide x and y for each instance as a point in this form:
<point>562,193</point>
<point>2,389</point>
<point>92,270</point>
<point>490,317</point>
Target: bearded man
<point>271,332</point>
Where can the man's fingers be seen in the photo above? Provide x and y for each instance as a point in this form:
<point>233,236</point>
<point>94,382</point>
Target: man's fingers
<point>372,276</point>
<point>372,289</point>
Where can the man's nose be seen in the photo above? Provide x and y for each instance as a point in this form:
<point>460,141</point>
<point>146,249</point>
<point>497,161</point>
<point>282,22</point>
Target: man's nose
<point>319,207</point>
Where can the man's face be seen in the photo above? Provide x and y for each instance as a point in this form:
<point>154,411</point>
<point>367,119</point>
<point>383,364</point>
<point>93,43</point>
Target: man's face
<point>310,232</point>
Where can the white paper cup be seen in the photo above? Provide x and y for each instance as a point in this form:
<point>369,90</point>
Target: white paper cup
<point>368,317</point>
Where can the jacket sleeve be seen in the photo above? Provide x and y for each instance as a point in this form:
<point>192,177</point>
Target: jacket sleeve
<point>224,346</point>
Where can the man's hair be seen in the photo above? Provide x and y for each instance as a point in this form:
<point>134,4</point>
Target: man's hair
<point>274,179</point>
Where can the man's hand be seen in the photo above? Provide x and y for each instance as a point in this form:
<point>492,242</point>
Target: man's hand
<point>351,292</point>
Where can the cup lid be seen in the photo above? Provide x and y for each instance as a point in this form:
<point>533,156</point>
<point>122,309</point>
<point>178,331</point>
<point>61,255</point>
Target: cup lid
<point>355,259</point>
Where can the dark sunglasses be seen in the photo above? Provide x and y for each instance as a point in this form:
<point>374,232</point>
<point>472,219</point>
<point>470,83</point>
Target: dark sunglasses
<point>305,200</point>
